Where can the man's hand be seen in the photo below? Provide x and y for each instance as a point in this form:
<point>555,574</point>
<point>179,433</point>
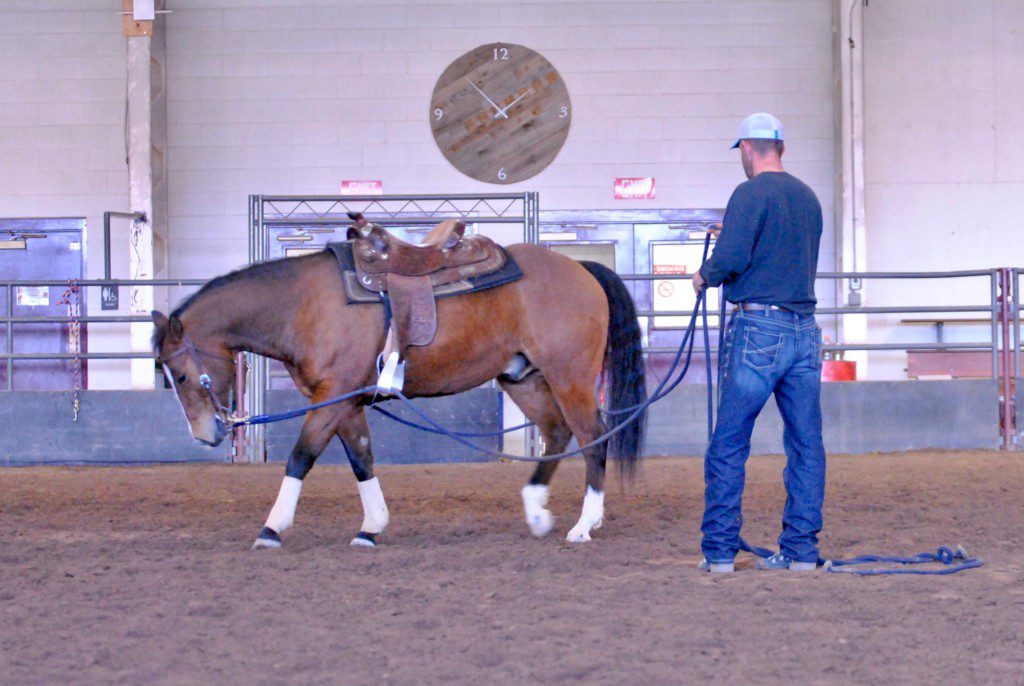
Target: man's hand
<point>715,229</point>
<point>698,283</point>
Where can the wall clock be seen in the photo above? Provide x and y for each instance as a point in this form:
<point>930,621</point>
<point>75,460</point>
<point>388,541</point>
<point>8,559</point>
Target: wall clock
<point>500,113</point>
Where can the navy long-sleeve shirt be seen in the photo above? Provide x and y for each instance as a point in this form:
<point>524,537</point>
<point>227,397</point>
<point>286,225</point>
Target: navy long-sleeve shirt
<point>767,252</point>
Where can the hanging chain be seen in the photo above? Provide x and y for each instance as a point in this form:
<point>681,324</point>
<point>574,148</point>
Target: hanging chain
<point>71,299</point>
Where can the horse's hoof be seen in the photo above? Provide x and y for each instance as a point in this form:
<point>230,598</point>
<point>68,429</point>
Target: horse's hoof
<point>364,540</point>
<point>578,536</point>
<point>541,523</point>
<point>268,539</point>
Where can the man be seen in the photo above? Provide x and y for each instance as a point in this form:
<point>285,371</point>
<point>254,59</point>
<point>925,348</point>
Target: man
<point>767,256</point>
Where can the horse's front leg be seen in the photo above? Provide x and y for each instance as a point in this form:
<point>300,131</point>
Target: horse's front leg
<point>316,432</point>
<point>354,433</point>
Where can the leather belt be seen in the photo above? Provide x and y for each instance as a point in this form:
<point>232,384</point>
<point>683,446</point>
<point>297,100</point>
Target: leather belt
<point>760,307</point>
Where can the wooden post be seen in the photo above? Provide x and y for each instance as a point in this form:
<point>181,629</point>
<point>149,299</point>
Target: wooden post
<point>130,27</point>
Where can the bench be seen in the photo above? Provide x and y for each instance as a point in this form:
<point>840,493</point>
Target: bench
<point>940,323</point>
<point>948,364</point>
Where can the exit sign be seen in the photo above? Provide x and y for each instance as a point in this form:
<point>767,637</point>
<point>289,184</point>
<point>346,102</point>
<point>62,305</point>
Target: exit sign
<point>634,188</point>
<point>351,187</point>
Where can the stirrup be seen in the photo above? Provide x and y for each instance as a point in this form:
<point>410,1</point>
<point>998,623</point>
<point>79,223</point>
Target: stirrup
<point>392,376</point>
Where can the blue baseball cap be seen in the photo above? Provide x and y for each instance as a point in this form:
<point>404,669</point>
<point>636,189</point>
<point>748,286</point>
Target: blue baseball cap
<point>760,125</point>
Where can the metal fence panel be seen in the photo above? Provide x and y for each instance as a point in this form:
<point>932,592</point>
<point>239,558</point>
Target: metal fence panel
<point>861,417</point>
<point>478,410</point>
<point>113,427</point>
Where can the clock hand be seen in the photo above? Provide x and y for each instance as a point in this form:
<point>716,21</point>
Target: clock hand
<point>504,109</point>
<point>486,98</point>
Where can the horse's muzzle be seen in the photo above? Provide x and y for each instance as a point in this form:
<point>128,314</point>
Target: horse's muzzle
<point>222,429</point>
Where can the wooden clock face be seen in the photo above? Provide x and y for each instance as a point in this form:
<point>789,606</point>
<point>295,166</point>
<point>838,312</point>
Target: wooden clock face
<point>500,113</point>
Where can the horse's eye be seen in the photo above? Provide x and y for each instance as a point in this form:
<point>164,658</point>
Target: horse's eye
<point>181,379</point>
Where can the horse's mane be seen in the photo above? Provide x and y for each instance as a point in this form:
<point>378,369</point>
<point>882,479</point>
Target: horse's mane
<point>282,266</point>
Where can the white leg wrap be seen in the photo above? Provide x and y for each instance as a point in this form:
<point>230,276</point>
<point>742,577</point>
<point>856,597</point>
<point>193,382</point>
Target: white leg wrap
<point>283,513</point>
<point>538,517</point>
<point>591,518</point>
<point>392,376</point>
<point>375,510</point>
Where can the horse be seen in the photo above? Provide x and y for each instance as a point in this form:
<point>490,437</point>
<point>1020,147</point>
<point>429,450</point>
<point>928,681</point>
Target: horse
<point>548,338</point>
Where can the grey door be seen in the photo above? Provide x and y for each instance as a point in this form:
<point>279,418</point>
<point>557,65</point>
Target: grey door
<point>37,250</point>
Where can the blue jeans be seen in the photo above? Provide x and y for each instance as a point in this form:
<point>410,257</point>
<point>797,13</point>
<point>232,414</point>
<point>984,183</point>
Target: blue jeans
<point>767,352</point>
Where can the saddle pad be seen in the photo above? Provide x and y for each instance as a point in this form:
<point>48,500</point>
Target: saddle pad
<point>356,293</point>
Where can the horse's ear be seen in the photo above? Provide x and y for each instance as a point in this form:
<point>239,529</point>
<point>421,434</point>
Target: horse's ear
<point>358,218</point>
<point>159,319</point>
<point>174,328</point>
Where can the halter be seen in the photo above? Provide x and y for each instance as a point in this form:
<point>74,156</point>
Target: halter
<point>205,382</point>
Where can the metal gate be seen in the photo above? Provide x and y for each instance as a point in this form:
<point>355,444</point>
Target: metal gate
<point>641,245</point>
<point>283,226</point>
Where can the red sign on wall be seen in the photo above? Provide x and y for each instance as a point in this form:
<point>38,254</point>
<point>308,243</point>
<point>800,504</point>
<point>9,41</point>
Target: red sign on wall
<point>349,187</point>
<point>634,188</point>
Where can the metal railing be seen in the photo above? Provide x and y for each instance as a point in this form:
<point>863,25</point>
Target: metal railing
<point>9,289</point>
<point>1005,341</point>
<point>1003,320</point>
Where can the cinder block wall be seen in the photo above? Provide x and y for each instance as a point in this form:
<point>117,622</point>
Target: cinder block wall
<point>944,149</point>
<point>294,96</point>
<point>62,99</point>
<point>62,140</point>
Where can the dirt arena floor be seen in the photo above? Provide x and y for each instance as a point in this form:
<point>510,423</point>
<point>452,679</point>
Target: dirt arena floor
<point>144,576</point>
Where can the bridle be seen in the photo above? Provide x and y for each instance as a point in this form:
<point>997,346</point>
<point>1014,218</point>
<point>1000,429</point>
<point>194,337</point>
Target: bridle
<point>205,382</point>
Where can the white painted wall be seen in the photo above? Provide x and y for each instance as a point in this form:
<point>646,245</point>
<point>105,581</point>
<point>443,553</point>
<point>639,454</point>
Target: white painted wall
<point>944,145</point>
<point>292,96</point>
<point>62,147</point>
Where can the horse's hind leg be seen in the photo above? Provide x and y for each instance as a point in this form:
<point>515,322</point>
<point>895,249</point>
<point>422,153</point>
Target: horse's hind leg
<point>316,432</point>
<point>534,398</point>
<point>579,407</point>
<point>354,433</point>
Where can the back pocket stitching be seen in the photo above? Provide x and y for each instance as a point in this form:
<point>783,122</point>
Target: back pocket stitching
<point>768,349</point>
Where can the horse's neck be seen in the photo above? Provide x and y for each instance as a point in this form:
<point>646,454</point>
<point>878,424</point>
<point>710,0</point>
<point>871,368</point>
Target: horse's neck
<point>255,316</point>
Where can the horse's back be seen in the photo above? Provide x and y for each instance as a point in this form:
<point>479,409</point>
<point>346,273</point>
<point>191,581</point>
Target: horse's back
<point>555,278</point>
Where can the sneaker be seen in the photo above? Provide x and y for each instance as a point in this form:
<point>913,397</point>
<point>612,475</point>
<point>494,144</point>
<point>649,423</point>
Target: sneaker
<point>715,567</point>
<point>780,561</point>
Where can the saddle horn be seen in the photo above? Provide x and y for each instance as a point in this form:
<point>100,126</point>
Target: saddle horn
<point>360,223</point>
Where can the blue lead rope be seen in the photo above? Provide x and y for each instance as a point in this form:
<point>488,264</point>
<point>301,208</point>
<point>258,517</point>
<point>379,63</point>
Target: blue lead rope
<point>292,414</point>
<point>944,555</point>
<point>463,434</point>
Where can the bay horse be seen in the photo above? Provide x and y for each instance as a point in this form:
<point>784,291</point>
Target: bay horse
<point>562,322</point>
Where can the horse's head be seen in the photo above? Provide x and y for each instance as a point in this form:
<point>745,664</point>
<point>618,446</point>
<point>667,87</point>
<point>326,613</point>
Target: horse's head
<point>202,378</point>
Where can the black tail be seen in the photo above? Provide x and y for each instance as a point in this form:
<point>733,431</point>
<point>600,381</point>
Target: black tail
<point>624,362</point>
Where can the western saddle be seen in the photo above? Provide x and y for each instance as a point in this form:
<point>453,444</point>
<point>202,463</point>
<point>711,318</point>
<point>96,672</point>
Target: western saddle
<point>406,275</point>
